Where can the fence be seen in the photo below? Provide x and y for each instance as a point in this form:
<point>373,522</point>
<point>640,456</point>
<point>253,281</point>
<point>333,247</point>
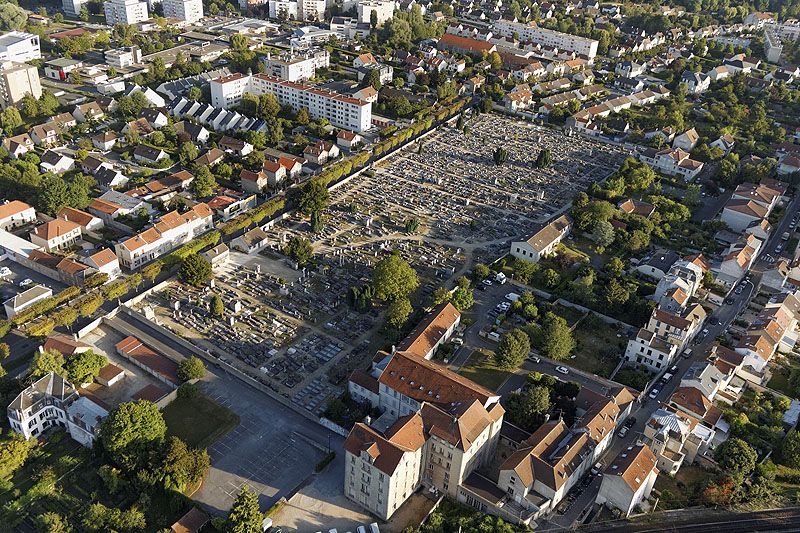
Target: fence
<point>333,426</point>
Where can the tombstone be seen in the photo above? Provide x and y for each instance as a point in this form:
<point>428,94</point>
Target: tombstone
<point>148,312</point>
<point>231,321</point>
<point>237,306</point>
<point>212,283</point>
<point>176,305</point>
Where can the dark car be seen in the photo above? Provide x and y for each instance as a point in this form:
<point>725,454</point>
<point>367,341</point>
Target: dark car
<point>630,422</point>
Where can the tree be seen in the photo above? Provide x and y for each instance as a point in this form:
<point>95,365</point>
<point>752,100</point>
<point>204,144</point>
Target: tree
<point>544,159</point>
<point>500,156</point>
<point>463,298</point>
<point>184,466</point>
<point>217,307</point>
<point>45,362</point>
<point>52,522</point>
<point>53,195</point>
<point>512,349</point>
<point>299,249</point>
<point>373,79</point>
<point>131,430</point>
<point>195,93</point>
<point>790,449</point>
<point>480,272</point>
<point>525,409</point>
<point>151,271</point>
<point>204,182</point>
<point>412,225</point>
<point>10,118</point>
<point>84,367</point>
<point>187,153</point>
<point>5,350</point>
<point>616,294</point>
<point>314,197</point>
<point>373,19</point>
<point>397,313</point>
<point>12,17</point>
<point>191,368</point>
<point>441,295</point>
<point>245,515</point>
<point>736,457</point>
<point>268,106</point>
<point>239,42</point>
<point>557,340</point>
<point>394,278</point>
<point>195,270</point>
<point>603,233</point>
<point>615,266</point>
<point>551,278</point>
<point>14,450</point>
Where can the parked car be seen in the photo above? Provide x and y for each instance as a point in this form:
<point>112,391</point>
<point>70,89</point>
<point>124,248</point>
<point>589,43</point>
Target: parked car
<point>597,468</point>
<point>5,272</point>
<point>654,393</point>
<point>673,369</point>
<point>25,282</point>
<point>487,282</point>
<point>687,353</point>
<point>534,359</point>
<point>630,422</point>
<point>622,432</point>
<point>562,370</point>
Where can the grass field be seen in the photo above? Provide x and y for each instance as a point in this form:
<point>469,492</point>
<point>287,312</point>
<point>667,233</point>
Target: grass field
<point>681,491</point>
<point>198,421</point>
<point>480,368</point>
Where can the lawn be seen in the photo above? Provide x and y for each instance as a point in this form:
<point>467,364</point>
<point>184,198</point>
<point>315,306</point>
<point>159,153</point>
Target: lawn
<point>780,381</point>
<point>598,348</point>
<point>480,368</point>
<point>199,421</point>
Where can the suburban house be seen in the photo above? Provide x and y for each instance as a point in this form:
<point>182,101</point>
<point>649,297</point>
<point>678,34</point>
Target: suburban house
<point>657,266</point>
<point>50,402</point>
<point>25,299</point>
<point>543,242</point>
<point>210,158</point>
<point>88,111</point>
<point>347,140</point>
<point>230,204</point>
<point>321,152</point>
<point>687,140</point>
<point>218,255</point>
<point>56,234</point>
<point>14,214</point>
<point>738,259</point>
<point>235,146</point>
<point>675,439</point>
<point>275,172</point>
<point>251,242</point>
<point>87,222</point>
<point>762,194</point>
<point>46,134</point>
<point>105,261</point>
<point>253,182</point>
<point>148,154</point>
<point>18,145</point>
<point>57,163</point>
<point>725,143</point>
<point>629,480</point>
<point>672,161</point>
<point>738,214</point>
<point>104,141</point>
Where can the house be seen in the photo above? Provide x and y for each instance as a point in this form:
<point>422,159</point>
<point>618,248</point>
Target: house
<point>436,329</point>
<point>251,242</point>
<point>25,299</point>
<point>156,117</point>
<point>52,161</point>
<point>347,140</point>
<point>675,439</point>
<point>235,146</point>
<point>637,207</point>
<point>293,165</point>
<point>189,131</point>
<point>64,345</point>
<point>321,152</point>
<point>110,375</point>
<point>253,182</point>
<point>105,261</point>
<point>218,255</point>
<point>191,522</point>
<point>14,214</point>
<point>139,127</point>
<point>364,60</point>
<point>687,140</point>
<point>657,266</point>
<point>761,194</point>
<point>210,158</point>
<point>51,402</point>
<point>725,143</point>
<point>88,223</point>
<point>672,161</point>
<point>60,68</point>
<point>46,134</point>
<point>696,82</point>
<point>740,213</point>
<point>88,111</point>
<point>56,234</point>
<point>629,480</point>
<point>104,141</point>
<point>64,121</point>
<point>18,145</point>
<point>543,242</point>
<point>474,83</point>
<point>630,69</point>
<point>227,206</point>
<point>789,165</point>
<point>275,172</point>
<point>148,154</point>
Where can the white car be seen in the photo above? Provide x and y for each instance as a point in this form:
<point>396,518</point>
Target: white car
<point>654,393</point>
<point>562,370</point>
<point>25,282</point>
<point>487,282</point>
<point>5,272</point>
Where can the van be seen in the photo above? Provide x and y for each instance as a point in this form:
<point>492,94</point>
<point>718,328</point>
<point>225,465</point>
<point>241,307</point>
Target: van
<point>785,236</point>
<point>666,377</point>
<point>687,353</point>
<point>493,336</point>
<point>501,278</point>
<point>512,297</point>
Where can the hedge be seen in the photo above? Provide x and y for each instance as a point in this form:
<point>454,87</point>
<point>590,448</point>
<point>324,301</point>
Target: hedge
<point>43,306</point>
<point>209,239</point>
<point>254,216</point>
<point>40,328</point>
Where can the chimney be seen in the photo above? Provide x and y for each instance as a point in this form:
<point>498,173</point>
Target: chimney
<point>394,349</point>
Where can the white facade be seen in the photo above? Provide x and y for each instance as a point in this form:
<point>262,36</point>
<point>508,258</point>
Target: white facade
<point>124,57</point>
<point>185,10</point>
<point>298,67</point>
<point>773,48</point>
<point>384,10</point>
<point>125,12</point>
<point>283,9</point>
<point>14,214</point>
<point>16,81</point>
<point>312,9</point>
<point>72,8</point>
<point>19,47</point>
<point>549,38</point>
<point>341,111</point>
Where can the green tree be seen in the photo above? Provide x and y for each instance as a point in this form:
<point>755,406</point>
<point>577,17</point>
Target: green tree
<point>544,159</point>
<point>394,278</point>
<point>373,79</point>
<point>14,450</point>
<point>151,271</point>
<point>187,153</point>
<point>557,340</point>
<point>191,368</point>
<point>53,195</point>
<point>551,278</point>
<point>195,270</point>
<point>314,197</point>
<point>268,106</point>
<point>131,430</point>
<point>500,156</point>
<point>397,313</point>
<point>52,522</point>
<point>480,272</point>
<point>463,298</point>
<point>84,367</point>
<point>45,362</point>
<point>603,233</point>
<point>5,350</point>
<point>12,17</point>
<point>736,457</point>
<point>184,466</point>
<point>10,118</point>
<point>512,349</point>
<point>412,225</point>
<point>615,266</point>
<point>245,515</point>
<point>616,294</point>
<point>217,307</point>
<point>299,249</point>
<point>239,42</point>
<point>373,19</point>
<point>204,182</point>
<point>194,93</point>
<point>441,295</point>
<point>525,409</point>
<point>790,449</point>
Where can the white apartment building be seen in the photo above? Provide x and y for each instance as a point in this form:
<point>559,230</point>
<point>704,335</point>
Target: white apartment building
<point>19,47</point>
<point>384,10</point>
<point>125,12</point>
<point>297,67</point>
<point>773,48</point>
<point>171,231</point>
<point>185,10</point>
<point>311,9</point>
<point>341,111</point>
<point>547,38</point>
<point>16,81</point>
<point>124,57</point>
<point>283,9</point>
<point>72,8</point>
<point>51,402</point>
